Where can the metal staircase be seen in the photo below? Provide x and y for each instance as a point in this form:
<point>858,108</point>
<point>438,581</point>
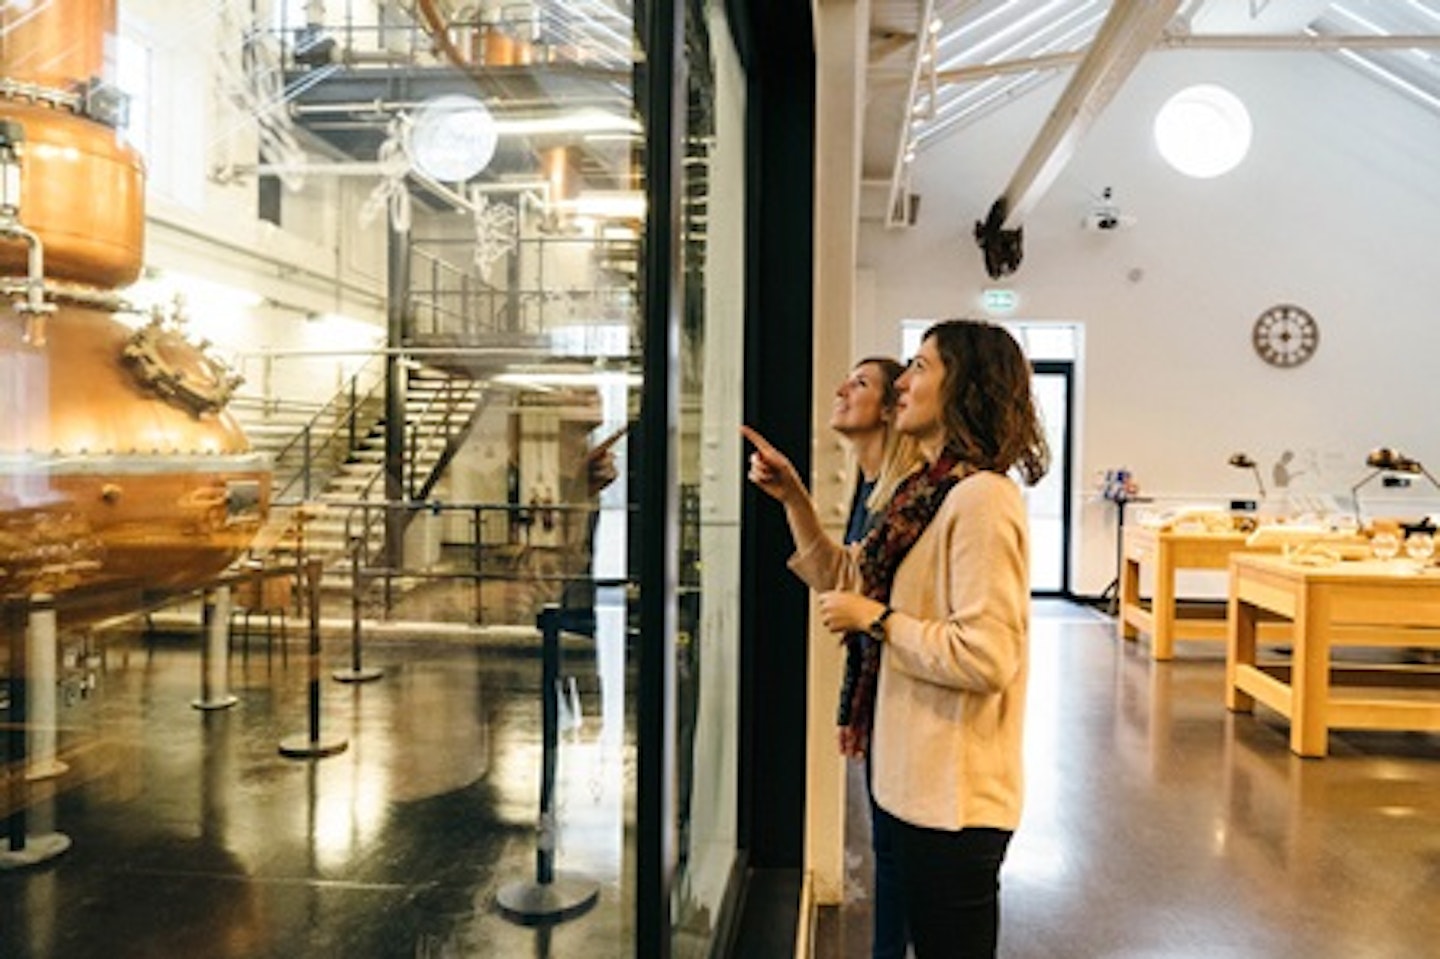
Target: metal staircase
<point>333,463</point>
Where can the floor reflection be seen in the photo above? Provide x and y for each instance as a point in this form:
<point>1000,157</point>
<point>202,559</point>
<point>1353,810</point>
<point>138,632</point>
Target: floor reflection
<point>193,836</point>
<point>1160,825</point>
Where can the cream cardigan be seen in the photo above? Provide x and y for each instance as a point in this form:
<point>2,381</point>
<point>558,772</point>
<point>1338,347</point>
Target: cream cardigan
<point>950,707</point>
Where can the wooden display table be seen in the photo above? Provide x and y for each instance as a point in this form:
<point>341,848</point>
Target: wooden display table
<point>1164,619</point>
<point>1369,603</point>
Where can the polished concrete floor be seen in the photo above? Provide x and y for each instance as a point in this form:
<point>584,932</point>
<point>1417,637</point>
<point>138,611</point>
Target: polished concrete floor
<point>190,834</point>
<point>1160,825</point>
<point>1157,825</point>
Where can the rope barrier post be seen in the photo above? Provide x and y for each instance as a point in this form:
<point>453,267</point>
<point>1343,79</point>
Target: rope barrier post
<point>215,654</point>
<point>356,673</point>
<point>43,653</point>
<point>477,558</point>
<point>21,850</point>
<point>309,745</point>
<point>550,898</point>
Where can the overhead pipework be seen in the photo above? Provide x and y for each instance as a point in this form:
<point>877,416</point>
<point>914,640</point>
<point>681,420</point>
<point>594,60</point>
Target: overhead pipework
<point>33,307</point>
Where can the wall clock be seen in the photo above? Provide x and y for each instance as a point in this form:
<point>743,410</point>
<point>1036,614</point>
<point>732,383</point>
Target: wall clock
<point>1285,335</point>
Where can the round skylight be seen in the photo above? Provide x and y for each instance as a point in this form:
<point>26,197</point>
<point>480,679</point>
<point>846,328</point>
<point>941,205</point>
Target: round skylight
<point>1203,131</point>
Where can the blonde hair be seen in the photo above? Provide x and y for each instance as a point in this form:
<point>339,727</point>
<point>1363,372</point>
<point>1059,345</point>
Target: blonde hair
<point>902,456</point>
<point>901,453</point>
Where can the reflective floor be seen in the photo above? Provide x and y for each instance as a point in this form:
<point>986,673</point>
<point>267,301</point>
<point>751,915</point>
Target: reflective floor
<point>191,835</point>
<point>1160,825</point>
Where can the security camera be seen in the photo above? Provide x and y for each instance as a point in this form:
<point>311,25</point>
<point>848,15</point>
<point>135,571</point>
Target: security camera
<point>1103,220</point>
<point>1105,215</point>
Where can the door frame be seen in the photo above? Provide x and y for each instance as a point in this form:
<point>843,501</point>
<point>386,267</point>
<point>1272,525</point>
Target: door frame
<point>1063,460</point>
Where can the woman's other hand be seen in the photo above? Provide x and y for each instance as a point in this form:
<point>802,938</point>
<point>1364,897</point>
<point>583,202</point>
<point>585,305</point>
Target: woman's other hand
<point>771,470</point>
<point>848,612</point>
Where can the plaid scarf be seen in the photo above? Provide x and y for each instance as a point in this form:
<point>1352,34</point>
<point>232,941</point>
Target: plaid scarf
<point>916,501</point>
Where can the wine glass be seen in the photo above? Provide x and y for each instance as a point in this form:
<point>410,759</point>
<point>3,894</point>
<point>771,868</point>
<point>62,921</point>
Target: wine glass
<point>1385,545</point>
<point>1420,546</point>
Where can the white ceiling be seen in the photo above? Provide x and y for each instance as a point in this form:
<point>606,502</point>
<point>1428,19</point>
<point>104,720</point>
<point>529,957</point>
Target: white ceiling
<point>987,53</point>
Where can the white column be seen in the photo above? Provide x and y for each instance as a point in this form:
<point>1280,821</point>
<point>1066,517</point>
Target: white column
<point>215,655</point>
<point>842,29</point>
<point>42,681</point>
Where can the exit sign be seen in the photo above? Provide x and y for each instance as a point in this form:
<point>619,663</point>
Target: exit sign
<point>999,301</point>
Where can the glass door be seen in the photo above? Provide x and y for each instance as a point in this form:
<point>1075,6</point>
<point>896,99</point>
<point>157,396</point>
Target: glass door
<point>1048,501</point>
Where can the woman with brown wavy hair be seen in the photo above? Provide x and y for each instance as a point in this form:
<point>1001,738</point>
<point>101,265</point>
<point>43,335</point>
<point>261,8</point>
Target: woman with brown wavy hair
<point>937,596</point>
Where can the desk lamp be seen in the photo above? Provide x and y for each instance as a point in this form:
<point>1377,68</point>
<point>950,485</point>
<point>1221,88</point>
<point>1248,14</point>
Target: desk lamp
<point>1387,460</point>
<point>1242,461</point>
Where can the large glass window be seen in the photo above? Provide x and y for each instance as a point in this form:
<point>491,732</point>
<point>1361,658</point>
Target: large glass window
<point>708,645</point>
<point>318,524</point>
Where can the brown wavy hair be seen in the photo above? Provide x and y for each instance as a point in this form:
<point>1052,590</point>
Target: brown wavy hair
<point>989,413</point>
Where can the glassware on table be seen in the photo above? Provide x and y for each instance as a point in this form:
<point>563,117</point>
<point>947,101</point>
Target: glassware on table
<point>1345,524</point>
<point>1385,545</point>
<point>1420,546</point>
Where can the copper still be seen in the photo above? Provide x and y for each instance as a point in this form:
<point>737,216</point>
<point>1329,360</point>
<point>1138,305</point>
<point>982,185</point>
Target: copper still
<point>121,472</point>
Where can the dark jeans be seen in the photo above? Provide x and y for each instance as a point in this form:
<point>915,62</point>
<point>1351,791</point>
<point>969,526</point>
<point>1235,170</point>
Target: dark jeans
<point>889,937</point>
<point>951,887</point>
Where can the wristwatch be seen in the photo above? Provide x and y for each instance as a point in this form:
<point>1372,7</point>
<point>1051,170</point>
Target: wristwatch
<point>877,628</point>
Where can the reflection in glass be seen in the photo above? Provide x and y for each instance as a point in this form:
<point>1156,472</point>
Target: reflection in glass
<point>439,378</point>
<point>711,373</point>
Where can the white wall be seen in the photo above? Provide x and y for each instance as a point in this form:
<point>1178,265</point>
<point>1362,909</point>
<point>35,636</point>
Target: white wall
<point>1337,209</point>
<point>205,224</point>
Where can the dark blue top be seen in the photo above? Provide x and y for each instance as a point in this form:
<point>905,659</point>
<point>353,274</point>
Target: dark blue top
<point>860,518</point>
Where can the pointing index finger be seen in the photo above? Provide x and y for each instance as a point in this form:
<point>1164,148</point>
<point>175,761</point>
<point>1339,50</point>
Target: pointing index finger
<point>760,442</point>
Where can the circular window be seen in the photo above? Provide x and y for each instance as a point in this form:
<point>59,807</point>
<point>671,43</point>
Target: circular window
<point>1203,131</point>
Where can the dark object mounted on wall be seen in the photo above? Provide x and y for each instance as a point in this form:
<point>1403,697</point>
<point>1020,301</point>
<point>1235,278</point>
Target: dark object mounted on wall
<point>1002,248</point>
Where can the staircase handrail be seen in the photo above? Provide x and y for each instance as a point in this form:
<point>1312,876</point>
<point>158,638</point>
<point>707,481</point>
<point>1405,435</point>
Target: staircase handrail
<point>270,406</point>
<point>342,409</point>
<point>454,395</point>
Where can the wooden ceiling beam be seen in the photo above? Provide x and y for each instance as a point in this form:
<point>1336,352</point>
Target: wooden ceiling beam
<point>1130,29</point>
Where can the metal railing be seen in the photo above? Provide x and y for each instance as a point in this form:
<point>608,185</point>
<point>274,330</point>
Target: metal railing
<point>553,32</point>
<point>513,560</point>
<point>331,436</point>
<point>439,427</point>
<point>449,300</point>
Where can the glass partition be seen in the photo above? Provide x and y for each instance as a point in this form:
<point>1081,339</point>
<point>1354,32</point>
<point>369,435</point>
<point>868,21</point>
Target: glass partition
<point>712,365</point>
<point>319,463</point>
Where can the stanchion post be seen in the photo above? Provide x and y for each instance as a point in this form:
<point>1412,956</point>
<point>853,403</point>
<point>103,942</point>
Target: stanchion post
<point>356,673</point>
<point>309,745</point>
<point>215,653</point>
<point>550,898</point>
<point>21,850</point>
<point>550,743</point>
<point>477,558</point>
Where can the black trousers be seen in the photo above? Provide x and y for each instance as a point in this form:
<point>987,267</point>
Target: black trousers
<point>951,883</point>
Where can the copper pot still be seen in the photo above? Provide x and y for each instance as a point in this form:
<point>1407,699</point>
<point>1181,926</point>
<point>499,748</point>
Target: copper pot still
<point>121,471</point>
<point>105,482</point>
